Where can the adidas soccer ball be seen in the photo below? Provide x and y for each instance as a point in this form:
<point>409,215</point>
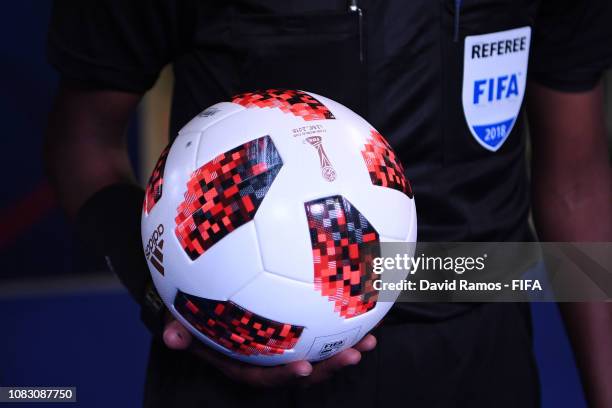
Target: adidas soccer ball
<point>261,222</point>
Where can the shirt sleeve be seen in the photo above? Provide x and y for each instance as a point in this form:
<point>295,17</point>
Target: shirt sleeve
<point>114,44</point>
<point>572,44</point>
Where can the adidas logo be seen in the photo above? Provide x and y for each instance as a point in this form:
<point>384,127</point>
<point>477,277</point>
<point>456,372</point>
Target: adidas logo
<point>153,251</point>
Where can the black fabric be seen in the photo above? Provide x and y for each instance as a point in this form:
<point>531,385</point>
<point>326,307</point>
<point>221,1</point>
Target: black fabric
<point>107,228</point>
<point>108,225</point>
<point>116,44</point>
<point>400,67</point>
<point>573,44</point>
<point>123,44</point>
<point>480,359</point>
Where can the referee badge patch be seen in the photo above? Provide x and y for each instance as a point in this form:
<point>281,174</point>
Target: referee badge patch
<point>494,79</point>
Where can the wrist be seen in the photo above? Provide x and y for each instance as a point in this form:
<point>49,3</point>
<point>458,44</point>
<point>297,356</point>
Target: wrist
<point>108,225</point>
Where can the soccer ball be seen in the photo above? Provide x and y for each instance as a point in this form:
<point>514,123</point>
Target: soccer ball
<point>261,222</point>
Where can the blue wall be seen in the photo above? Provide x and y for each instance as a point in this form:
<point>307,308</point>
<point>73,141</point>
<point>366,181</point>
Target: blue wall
<point>28,85</point>
<point>558,374</point>
<point>31,221</point>
<point>92,341</point>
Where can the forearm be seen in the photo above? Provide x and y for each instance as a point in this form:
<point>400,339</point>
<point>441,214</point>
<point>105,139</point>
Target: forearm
<point>85,146</point>
<point>587,324</point>
<point>571,177</point>
<point>572,201</point>
<point>85,151</point>
<point>580,210</point>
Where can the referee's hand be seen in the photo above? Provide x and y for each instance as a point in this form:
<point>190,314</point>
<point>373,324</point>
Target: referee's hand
<point>302,372</point>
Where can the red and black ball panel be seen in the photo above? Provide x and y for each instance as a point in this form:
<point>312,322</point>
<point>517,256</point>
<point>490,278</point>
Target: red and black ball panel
<point>344,245</point>
<point>236,328</point>
<point>383,164</point>
<point>156,182</point>
<point>225,193</point>
<point>295,102</point>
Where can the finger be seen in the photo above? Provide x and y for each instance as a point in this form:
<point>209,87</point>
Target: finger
<point>366,344</point>
<point>254,375</point>
<point>176,337</point>
<point>345,358</point>
<point>275,376</point>
<point>326,368</point>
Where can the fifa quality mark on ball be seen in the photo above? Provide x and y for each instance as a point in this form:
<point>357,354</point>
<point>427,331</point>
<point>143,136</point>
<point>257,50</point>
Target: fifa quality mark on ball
<point>329,349</point>
<point>327,170</point>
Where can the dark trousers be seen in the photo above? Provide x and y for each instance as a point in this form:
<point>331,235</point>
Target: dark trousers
<point>482,358</point>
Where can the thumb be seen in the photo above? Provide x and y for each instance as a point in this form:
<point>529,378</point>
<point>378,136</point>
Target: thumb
<point>176,336</point>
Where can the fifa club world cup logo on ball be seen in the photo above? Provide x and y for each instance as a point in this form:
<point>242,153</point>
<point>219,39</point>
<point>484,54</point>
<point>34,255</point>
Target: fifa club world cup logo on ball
<point>327,170</point>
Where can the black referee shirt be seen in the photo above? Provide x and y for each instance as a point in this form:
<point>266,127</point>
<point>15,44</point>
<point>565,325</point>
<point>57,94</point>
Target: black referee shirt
<point>443,81</point>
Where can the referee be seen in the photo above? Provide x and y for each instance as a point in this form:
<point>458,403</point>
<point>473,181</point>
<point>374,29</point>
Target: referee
<point>448,82</point>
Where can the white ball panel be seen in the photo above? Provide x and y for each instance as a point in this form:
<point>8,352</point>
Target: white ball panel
<point>232,132</point>
<point>391,212</point>
<point>412,232</point>
<point>180,164</point>
<point>281,219</point>
<point>180,270</point>
<point>218,273</point>
<point>286,300</point>
<point>282,228</point>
